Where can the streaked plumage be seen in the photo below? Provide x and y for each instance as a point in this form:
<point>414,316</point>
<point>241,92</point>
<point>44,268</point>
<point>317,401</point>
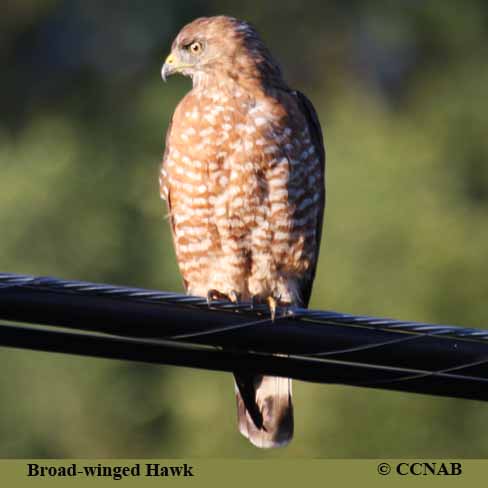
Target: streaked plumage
<point>243,177</point>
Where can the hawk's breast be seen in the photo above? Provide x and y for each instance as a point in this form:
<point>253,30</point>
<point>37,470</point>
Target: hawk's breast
<point>243,178</point>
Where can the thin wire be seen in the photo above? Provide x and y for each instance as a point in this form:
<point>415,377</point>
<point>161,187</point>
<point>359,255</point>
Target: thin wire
<point>364,347</point>
<point>383,368</point>
<point>227,328</point>
<point>431,373</point>
<point>396,341</point>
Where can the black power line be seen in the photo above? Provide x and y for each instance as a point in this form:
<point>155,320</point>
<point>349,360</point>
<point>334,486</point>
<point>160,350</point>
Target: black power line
<point>143,325</point>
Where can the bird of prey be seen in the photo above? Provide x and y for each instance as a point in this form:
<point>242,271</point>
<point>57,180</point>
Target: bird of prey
<point>243,177</point>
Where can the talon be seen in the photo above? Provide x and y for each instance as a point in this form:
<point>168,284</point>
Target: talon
<point>216,295</point>
<point>233,297</point>
<point>212,295</point>
<point>272,304</point>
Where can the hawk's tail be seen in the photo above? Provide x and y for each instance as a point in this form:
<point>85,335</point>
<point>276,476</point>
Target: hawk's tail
<point>264,409</point>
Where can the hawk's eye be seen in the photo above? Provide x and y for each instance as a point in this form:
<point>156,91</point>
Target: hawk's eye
<point>195,47</point>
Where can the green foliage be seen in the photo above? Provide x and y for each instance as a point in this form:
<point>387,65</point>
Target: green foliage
<point>405,233</point>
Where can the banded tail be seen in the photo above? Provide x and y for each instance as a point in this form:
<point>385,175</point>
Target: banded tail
<point>264,409</point>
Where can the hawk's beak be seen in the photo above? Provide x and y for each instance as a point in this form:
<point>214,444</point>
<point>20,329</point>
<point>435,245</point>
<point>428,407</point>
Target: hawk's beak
<point>174,65</point>
<point>169,67</point>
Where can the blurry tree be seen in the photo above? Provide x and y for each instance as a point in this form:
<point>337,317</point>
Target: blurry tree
<point>401,89</point>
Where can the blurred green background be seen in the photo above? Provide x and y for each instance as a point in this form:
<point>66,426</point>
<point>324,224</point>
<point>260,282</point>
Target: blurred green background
<point>402,92</point>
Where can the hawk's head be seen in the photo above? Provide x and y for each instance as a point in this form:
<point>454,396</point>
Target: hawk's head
<point>219,47</point>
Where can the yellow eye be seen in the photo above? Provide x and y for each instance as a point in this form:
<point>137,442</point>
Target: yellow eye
<point>195,47</point>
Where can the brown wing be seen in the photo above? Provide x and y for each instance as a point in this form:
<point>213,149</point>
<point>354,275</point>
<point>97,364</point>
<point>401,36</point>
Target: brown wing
<point>318,141</point>
<point>166,195</point>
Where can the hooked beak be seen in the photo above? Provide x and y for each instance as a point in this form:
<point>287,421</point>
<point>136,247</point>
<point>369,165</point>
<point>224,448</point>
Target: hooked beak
<point>174,65</point>
<point>169,67</point>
